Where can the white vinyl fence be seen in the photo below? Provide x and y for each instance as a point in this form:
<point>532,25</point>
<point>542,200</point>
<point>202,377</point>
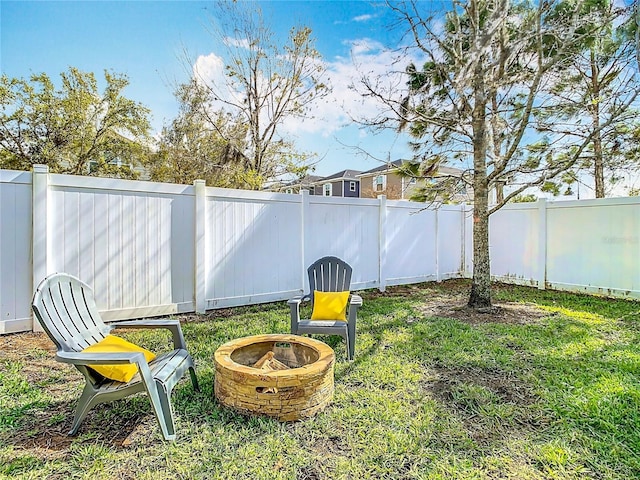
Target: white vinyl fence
<point>152,249</point>
<point>591,246</point>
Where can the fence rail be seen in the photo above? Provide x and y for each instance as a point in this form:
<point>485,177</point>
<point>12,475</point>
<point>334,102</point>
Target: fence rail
<point>152,249</point>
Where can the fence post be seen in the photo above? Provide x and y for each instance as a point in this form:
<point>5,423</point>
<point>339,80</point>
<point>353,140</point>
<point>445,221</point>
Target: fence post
<point>304,213</point>
<point>437,235</point>
<point>200,279</point>
<point>382,241</point>
<point>542,243</point>
<point>463,241</point>
<point>40,229</point>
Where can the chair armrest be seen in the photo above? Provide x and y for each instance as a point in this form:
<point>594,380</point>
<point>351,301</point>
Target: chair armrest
<point>298,300</point>
<point>356,300</point>
<point>172,325</point>
<point>82,358</point>
<point>90,358</point>
<point>294,304</point>
<point>354,303</point>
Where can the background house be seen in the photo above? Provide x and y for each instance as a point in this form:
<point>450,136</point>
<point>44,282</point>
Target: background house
<point>342,184</point>
<point>386,180</point>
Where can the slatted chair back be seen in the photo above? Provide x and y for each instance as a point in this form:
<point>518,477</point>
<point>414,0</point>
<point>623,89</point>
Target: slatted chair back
<point>66,309</point>
<point>329,274</point>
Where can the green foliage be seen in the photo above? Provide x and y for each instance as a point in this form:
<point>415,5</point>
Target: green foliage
<point>594,92</point>
<point>524,198</point>
<point>551,187</point>
<point>541,66</point>
<point>70,127</point>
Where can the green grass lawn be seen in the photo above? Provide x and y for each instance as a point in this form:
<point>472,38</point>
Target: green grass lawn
<point>548,388</point>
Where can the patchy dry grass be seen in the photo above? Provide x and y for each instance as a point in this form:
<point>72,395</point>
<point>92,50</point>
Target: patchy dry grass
<point>546,387</point>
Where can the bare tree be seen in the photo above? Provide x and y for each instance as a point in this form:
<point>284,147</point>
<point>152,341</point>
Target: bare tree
<point>199,144</point>
<point>487,67</point>
<point>263,86</point>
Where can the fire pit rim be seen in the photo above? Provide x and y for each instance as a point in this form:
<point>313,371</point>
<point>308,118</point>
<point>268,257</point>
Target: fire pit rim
<point>223,354</point>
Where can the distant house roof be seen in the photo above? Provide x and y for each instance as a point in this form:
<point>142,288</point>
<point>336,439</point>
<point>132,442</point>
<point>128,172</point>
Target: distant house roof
<point>304,181</point>
<point>309,179</point>
<point>383,168</point>
<point>442,170</point>
<point>342,175</point>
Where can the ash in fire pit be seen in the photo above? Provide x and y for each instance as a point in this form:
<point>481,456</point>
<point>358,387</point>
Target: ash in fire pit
<point>283,376</point>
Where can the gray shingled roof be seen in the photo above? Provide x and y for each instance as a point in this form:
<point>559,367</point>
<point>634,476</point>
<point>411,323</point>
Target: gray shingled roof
<point>344,174</point>
<point>442,170</point>
<point>385,167</point>
<point>306,180</point>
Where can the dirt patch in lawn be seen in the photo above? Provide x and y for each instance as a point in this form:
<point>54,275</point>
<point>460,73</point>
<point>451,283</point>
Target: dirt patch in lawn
<point>22,343</point>
<point>45,430</point>
<point>510,313</point>
<point>449,298</point>
<point>491,404</point>
<point>502,386</point>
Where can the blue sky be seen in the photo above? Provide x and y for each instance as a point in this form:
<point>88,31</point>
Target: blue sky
<point>146,39</point>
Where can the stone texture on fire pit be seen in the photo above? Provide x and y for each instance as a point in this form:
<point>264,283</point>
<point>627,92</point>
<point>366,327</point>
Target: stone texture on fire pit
<point>300,391</point>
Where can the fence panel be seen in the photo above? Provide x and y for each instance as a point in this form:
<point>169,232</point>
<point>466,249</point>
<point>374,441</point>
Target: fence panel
<point>253,247</point>
<point>450,241</point>
<point>514,243</point>
<point>347,229</point>
<point>131,245</point>
<point>15,251</point>
<point>411,248</point>
<point>594,246</point>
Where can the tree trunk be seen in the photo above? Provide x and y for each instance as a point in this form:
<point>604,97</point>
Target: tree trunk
<point>499,191</point>
<point>598,166</point>
<point>598,161</point>
<point>480,296</point>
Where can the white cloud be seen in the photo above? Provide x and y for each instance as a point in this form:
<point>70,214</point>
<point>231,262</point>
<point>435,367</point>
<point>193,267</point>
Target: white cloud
<point>331,114</point>
<point>363,18</point>
<point>209,68</point>
<point>368,59</point>
<point>235,42</point>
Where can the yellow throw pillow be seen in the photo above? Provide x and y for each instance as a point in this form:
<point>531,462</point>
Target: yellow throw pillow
<point>329,305</point>
<point>111,344</point>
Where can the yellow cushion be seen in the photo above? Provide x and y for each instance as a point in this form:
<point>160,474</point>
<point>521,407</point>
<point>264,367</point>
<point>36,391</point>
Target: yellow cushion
<point>329,305</point>
<point>111,344</point>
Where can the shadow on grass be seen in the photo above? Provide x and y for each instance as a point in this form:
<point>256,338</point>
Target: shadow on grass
<point>46,425</point>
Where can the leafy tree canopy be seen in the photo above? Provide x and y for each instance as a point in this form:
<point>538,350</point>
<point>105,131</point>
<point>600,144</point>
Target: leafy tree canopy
<point>75,129</point>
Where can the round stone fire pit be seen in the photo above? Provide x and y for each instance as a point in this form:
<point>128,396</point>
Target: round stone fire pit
<point>287,377</point>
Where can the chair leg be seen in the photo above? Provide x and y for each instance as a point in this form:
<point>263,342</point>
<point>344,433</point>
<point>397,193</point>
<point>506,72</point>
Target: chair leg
<point>194,379</point>
<point>351,342</point>
<point>351,347</point>
<point>161,406</point>
<point>167,411</point>
<point>85,403</point>
<point>159,402</point>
